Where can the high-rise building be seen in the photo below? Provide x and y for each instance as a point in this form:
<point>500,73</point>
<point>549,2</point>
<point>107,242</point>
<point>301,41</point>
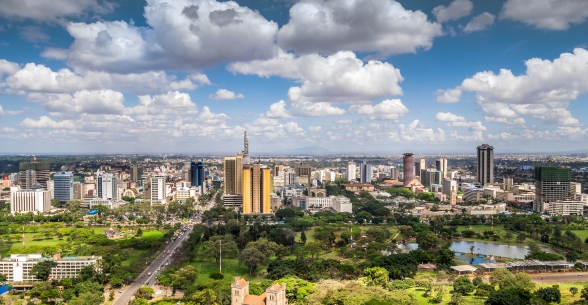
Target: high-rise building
<point>408,168</point>
<point>393,173</point>
<point>303,173</point>
<point>106,184</point>
<point>485,168</point>
<point>289,177</point>
<point>157,189</point>
<point>197,175</point>
<point>420,167</point>
<point>136,172</point>
<point>234,175</point>
<point>34,172</point>
<point>441,165</point>
<point>63,187</point>
<point>551,184</point>
<point>256,190</point>
<point>365,172</point>
<point>78,190</point>
<point>277,169</point>
<point>351,171</point>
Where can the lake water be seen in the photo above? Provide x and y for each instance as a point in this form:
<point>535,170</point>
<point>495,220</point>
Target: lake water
<point>491,249</point>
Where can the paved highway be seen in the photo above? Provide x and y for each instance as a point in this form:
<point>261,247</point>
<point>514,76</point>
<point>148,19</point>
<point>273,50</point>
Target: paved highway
<point>143,278</point>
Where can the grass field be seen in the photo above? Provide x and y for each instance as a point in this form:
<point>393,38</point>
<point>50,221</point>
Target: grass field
<point>231,268</point>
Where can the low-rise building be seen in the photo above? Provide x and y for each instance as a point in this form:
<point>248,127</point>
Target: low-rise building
<point>17,267</point>
<point>359,187</point>
<point>341,204</point>
<point>24,201</point>
<point>564,208</point>
<point>274,295</point>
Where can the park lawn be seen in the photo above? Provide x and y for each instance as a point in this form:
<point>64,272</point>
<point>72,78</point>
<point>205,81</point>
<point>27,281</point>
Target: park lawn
<point>133,255</point>
<point>467,300</point>
<point>582,234</point>
<point>231,269</point>
<point>564,288</point>
<point>152,235</point>
<point>498,228</point>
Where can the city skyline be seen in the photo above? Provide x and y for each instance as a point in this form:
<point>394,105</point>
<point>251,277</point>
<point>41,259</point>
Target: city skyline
<point>190,76</point>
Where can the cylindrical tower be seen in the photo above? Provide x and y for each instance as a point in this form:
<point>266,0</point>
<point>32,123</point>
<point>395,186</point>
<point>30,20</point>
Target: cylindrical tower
<point>408,168</point>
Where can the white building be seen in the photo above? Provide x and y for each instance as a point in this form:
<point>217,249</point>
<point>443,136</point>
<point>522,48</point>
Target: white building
<point>341,204</point>
<point>448,186</point>
<point>319,202</point>
<point>17,267</point>
<point>109,203</point>
<point>24,201</point>
<point>158,189</point>
<point>183,193</point>
<point>564,208</point>
<point>351,171</point>
<point>107,188</point>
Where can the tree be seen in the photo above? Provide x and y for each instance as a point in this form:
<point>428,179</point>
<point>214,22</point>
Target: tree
<point>506,280</point>
<point>549,294</point>
<point>572,256</point>
<point>573,290</point>
<point>427,240</point>
<point>477,281</point>
<point>251,257</point>
<point>375,276</point>
<point>55,203</point>
<point>508,236</point>
<point>87,298</point>
<point>456,299</point>
<point>584,293</point>
<point>445,258</point>
<point>204,297</point>
<point>463,285</point>
<point>42,269</point>
<point>2,278</point>
<point>313,248</point>
<point>303,237</point>
<point>184,277</point>
<point>145,292</point>
<point>513,296</point>
<point>212,247</point>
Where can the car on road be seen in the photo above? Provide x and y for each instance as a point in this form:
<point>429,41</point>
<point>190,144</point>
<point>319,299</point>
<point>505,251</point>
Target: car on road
<point>149,273</point>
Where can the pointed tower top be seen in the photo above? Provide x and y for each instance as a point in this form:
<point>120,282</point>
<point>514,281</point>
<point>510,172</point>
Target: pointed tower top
<point>246,147</point>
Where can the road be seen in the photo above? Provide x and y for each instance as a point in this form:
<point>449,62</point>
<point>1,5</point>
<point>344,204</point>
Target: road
<point>127,293</point>
<point>559,277</point>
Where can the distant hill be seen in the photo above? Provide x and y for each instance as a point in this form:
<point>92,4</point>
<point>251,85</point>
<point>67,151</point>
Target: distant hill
<point>309,150</point>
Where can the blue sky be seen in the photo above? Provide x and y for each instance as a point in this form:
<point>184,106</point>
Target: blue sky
<point>189,76</point>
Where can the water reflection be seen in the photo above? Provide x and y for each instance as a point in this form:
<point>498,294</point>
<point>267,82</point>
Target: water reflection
<point>483,248</point>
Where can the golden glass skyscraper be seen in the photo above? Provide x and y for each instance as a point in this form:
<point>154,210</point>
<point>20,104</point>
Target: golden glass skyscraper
<point>256,190</point>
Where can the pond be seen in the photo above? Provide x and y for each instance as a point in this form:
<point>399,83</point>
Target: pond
<point>511,251</point>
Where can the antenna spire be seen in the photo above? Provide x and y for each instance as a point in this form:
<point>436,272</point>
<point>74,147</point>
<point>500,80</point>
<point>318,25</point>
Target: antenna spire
<point>246,144</point>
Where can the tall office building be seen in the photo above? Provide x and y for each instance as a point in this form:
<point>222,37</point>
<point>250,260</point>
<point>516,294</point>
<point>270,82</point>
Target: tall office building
<point>63,187</point>
<point>136,172</point>
<point>441,165</point>
<point>197,174</point>
<point>256,190</point>
<point>106,184</point>
<point>408,168</point>
<point>34,172</point>
<point>277,169</point>
<point>485,168</point>
<point>157,189</point>
<point>551,184</point>
<point>234,175</point>
<point>420,167</point>
<point>365,172</point>
<point>303,173</point>
<point>351,171</point>
<point>289,177</point>
<point>393,173</point>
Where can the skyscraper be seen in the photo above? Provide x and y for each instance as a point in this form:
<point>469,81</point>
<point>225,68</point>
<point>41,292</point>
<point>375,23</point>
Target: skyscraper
<point>551,184</point>
<point>107,186</point>
<point>63,187</point>
<point>197,174</point>
<point>351,171</point>
<point>441,165</point>
<point>157,189</point>
<point>34,172</point>
<point>256,190</point>
<point>408,168</point>
<point>485,168</point>
<point>365,172</point>
<point>420,167</point>
<point>136,172</point>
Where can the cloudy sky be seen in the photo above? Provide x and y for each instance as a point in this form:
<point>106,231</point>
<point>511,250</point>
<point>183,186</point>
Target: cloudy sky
<point>95,76</point>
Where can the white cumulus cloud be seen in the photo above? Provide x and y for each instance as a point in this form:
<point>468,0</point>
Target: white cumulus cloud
<point>182,35</point>
<point>448,96</point>
<point>386,110</point>
<point>480,22</point>
<point>383,27</point>
<point>52,10</point>
<point>455,10</point>
<point>546,14</point>
<point>224,94</point>
<point>46,122</point>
